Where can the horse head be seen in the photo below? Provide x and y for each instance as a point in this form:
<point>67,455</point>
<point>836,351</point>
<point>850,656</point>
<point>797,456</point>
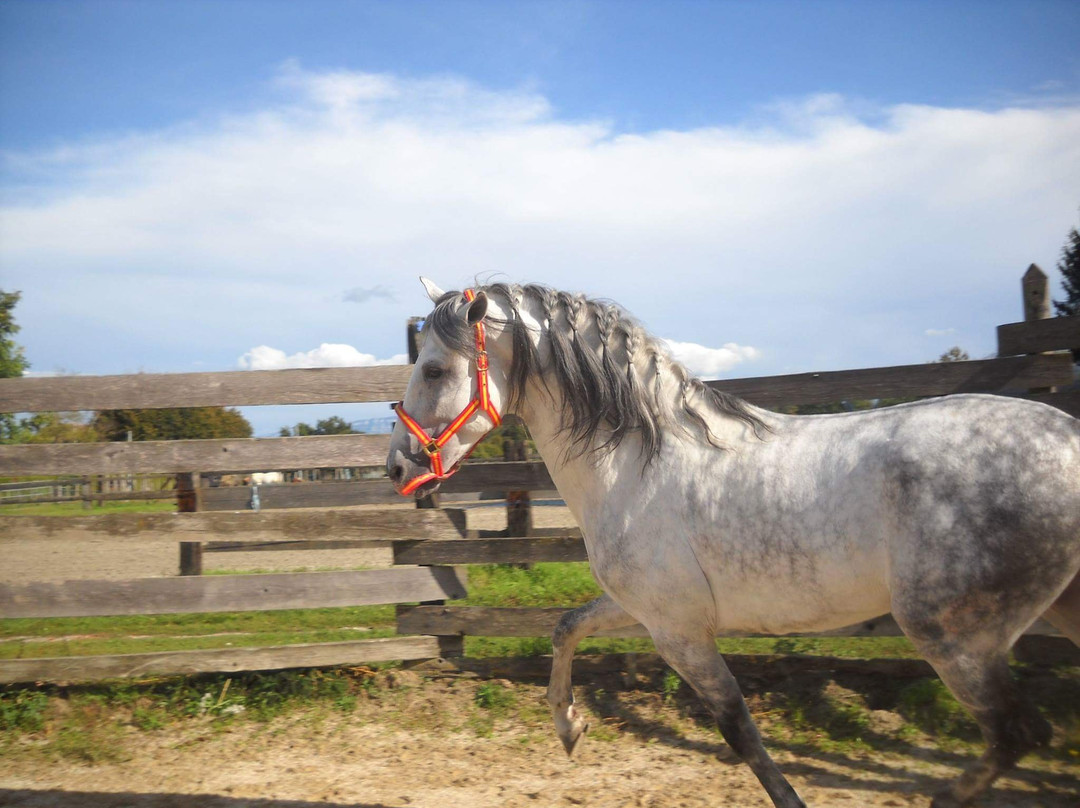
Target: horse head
<point>455,393</point>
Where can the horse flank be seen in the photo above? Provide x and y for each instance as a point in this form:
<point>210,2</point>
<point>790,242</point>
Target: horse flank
<point>609,372</point>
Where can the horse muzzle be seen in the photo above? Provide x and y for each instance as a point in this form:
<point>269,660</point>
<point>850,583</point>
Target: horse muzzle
<point>412,478</point>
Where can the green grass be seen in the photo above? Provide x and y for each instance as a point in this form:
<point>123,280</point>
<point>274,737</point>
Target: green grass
<point>87,724</point>
<point>81,636</point>
<point>543,585</point>
<point>77,508</point>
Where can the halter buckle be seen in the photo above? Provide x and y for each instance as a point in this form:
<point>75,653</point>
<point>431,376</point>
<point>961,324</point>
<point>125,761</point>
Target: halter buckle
<point>482,361</point>
<point>431,448</point>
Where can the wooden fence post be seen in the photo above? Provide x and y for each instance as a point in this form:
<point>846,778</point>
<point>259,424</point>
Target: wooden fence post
<point>519,520</point>
<point>187,501</point>
<point>1036,286</point>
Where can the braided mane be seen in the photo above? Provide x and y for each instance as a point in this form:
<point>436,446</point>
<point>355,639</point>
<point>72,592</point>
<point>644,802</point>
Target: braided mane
<point>608,371</point>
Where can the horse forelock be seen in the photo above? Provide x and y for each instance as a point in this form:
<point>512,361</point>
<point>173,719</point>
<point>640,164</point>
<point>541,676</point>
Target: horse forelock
<point>599,360</point>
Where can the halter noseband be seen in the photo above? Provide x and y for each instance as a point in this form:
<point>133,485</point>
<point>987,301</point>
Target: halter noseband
<point>481,401</point>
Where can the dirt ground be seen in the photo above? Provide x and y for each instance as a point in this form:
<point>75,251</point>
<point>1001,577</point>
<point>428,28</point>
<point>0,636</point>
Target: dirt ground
<point>425,744</point>
<point>99,559</point>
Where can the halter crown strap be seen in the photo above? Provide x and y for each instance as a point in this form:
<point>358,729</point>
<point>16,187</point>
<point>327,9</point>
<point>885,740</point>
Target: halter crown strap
<point>480,402</point>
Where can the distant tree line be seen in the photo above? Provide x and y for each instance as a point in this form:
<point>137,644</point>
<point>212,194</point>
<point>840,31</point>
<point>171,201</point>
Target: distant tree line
<point>72,427</point>
<point>334,425</point>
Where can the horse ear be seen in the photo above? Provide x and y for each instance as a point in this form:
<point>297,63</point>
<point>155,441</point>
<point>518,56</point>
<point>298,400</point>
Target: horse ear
<point>433,291</point>
<point>477,310</point>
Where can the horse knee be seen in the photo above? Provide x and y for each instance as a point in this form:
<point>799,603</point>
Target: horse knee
<point>564,629</point>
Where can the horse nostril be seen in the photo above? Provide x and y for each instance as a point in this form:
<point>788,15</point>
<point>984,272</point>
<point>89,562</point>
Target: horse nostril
<point>397,473</point>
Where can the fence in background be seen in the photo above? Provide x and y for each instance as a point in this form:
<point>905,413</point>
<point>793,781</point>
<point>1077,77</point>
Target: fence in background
<point>430,546</point>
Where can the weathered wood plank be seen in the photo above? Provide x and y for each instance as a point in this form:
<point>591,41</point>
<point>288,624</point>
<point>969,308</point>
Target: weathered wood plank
<point>539,622</point>
<point>551,544</point>
<point>230,593</point>
<point>1065,400</point>
<point>1036,336</point>
<point>223,660</point>
<point>225,455</point>
<point>499,476</point>
<point>387,383</point>
<point>931,379</point>
<point>271,546</point>
<point>231,388</point>
<point>338,493</point>
<point>490,551</point>
<point>245,526</point>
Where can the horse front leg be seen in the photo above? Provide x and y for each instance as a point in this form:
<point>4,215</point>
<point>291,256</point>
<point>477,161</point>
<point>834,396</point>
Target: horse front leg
<point>574,626</point>
<point>696,660</point>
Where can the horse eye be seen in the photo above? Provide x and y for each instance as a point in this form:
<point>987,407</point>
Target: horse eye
<point>432,372</point>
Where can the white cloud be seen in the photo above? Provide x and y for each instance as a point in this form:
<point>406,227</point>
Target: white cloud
<point>708,362</point>
<point>327,355</point>
<point>940,332</point>
<point>361,294</point>
<point>824,231</point>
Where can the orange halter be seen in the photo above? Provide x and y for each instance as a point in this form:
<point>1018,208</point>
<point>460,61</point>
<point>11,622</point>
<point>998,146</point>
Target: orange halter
<point>481,401</point>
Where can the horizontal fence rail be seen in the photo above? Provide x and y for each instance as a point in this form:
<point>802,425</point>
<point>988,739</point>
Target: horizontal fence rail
<point>1037,336</point>
<point>230,388</point>
<point>1010,374</point>
<point>471,477</point>
<point>219,660</point>
<point>904,381</point>
<point>397,523</point>
<point>230,593</point>
<point>387,383</point>
<point>221,455</point>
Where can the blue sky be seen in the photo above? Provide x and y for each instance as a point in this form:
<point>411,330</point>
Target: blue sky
<point>777,186</point>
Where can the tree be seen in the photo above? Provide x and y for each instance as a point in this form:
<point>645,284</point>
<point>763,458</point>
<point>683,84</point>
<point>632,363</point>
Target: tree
<point>187,423</point>
<point>334,425</point>
<point>12,360</point>
<point>492,446</point>
<point>1069,267</point>
<point>56,427</point>
<point>954,354</point>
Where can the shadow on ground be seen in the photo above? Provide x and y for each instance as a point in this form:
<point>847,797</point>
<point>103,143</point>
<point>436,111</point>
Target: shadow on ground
<point>879,762</point>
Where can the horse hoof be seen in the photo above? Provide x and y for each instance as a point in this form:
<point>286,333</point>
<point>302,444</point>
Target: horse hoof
<point>572,739</point>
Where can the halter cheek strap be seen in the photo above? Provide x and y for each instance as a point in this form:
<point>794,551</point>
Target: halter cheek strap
<point>481,402</point>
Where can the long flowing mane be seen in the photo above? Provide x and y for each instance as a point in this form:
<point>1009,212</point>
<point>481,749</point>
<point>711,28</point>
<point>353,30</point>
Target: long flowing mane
<point>608,371</point>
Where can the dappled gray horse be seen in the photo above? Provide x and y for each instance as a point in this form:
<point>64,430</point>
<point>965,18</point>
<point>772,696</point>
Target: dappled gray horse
<point>702,513</point>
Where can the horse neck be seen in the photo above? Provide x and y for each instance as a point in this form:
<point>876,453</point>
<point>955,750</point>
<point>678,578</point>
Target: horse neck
<point>577,477</point>
<point>581,477</point>
<point>585,476</point>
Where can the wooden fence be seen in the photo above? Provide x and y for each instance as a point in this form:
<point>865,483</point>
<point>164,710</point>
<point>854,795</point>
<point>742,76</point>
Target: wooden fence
<point>431,547</point>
